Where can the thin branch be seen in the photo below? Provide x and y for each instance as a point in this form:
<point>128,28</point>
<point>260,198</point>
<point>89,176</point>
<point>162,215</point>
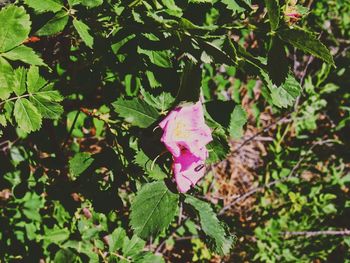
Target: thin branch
<point>344,232</point>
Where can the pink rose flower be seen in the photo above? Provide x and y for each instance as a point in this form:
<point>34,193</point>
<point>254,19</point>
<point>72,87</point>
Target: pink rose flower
<point>185,136</point>
<point>188,170</point>
<point>185,127</point>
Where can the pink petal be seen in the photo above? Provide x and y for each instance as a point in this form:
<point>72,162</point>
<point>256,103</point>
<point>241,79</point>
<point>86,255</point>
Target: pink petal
<point>188,170</point>
<point>183,184</point>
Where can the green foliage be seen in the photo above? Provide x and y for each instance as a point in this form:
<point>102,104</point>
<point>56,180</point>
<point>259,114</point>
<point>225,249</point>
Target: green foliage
<point>307,42</point>
<point>43,6</point>
<point>83,31</point>
<point>136,111</point>
<point>273,10</point>
<point>79,163</point>
<point>84,85</point>
<point>153,209</point>
<point>17,27</point>
<point>211,226</point>
<point>237,120</point>
<point>54,25</point>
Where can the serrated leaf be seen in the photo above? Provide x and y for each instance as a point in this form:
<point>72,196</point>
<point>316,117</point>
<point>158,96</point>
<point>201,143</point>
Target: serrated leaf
<point>48,93</point>
<point>306,42</point>
<point>44,5</point>
<point>162,102</point>
<point>54,25</point>
<point>48,108</point>
<point>220,241</point>
<point>15,27</point>
<point>159,58</point>
<point>91,3</point>
<point>19,81</point>
<point>79,163</point>
<point>218,148</point>
<point>273,10</point>
<point>27,115</point>
<point>34,80</point>
<point>233,6</point>
<point>6,79</point>
<point>153,82</point>
<point>238,119</point>
<point>284,95</point>
<point>153,170</point>
<point>136,112</point>
<point>220,51</point>
<point>83,31</point>
<point>24,54</point>
<point>153,209</point>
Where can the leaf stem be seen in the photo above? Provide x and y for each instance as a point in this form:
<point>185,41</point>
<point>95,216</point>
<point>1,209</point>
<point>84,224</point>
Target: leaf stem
<point>14,98</point>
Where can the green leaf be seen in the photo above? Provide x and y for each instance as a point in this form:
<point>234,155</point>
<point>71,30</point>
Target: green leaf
<point>153,170</point>
<point>15,27</point>
<point>43,97</point>
<point>172,7</point>
<point>220,241</point>
<point>83,31</point>
<point>150,258</point>
<point>220,50</point>
<point>79,163</point>
<point>74,2</point>
<point>6,79</point>
<point>136,111</point>
<point>19,81</point>
<point>27,115</point>
<point>285,95</point>
<point>233,6</point>
<point>24,54</point>
<point>218,148</point>
<point>56,235</point>
<point>44,5</point>
<point>133,246</point>
<point>65,256</point>
<point>46,102</point>
<point>91,3</point>
<point>116,239</point>
<point>48,93</point>
<point>273,10</point>
<point>187,25</point>
<point>306,42</point>
<point>237,120</point>
<point>153,82</point>
<point>153,209</point>
<point>159,58</point>
<point>54,25</point>
<point>162,102</point>
<point>34,81</point>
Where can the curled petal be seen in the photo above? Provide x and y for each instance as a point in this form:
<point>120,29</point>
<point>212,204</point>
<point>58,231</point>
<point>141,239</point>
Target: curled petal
<point>188,170</point>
